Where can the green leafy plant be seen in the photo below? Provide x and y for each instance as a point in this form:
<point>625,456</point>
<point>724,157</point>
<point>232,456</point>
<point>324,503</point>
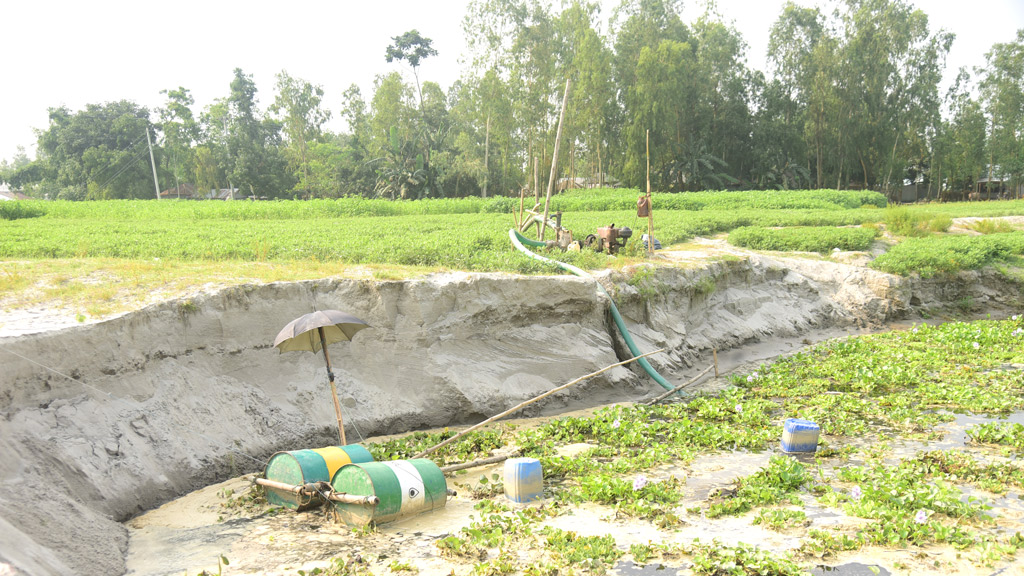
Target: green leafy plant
<point>807,239</point>
<point>740,560</point>
<point>1004,433</point>
<point>780,518</point>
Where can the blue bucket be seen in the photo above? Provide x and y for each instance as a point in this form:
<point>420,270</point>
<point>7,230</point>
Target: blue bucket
<point>524,480</point>
<point>800,435</point>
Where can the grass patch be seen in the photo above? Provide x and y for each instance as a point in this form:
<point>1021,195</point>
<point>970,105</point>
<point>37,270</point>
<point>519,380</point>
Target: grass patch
<point>989,226</point>
<point>943,255</point>
<point>102,286</point>
<point>819,239</point>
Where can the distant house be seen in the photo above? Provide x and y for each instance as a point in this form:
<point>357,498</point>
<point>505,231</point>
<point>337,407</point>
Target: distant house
<point>222,194</point>
<point>994,184</point>
<point>911,192</point>
<point>182,191</point>
<point>587,182</point>
<point>6,194</point>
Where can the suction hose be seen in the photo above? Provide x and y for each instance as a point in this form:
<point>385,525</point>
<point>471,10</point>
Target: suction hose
<point>520,242</point>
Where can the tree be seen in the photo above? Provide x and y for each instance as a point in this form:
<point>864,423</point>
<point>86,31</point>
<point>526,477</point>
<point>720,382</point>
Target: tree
<point>961,142</point>
<point>802,50</point>
<point>516,53</point>
<point>652,66</point>
<point>866,84</point>
<point>412,48</point>
<point>251,155</point>
<point>99,152</point>
<point>355,169</point>
<point>1003,95</point>
<point>586,58</point>
<point>181,131</point>
<point>298,105</point>
<point>778,149</point>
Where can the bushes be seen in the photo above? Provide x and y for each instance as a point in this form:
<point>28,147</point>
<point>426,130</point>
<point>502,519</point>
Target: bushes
<point>805,239</point>
<point>625,199</point>
<point>20,209</point>
<point>948,254</point>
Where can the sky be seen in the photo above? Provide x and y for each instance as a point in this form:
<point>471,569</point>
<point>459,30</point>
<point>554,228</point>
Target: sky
<point>73,53</point>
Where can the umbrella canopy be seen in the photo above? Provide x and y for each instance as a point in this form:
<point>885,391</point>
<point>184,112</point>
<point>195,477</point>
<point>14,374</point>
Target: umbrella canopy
<point>303,334</point>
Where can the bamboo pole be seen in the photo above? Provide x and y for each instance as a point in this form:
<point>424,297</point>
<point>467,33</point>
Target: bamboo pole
<point>475,463</point>
<point>554,157</point>
<point>531,401</point>
<point>334,391</point>
<point>522,198</point>
<point>311,490</point>
<point>650,205</point>
<point>680,387</point>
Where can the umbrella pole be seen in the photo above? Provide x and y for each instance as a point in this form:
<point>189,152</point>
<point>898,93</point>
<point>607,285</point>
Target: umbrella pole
<point>334,391</point>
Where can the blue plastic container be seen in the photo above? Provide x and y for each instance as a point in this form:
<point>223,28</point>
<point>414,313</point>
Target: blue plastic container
<point>800,435</point>
<point>524,479</point>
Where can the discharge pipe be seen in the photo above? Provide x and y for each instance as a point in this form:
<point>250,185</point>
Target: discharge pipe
<point>520,242</point>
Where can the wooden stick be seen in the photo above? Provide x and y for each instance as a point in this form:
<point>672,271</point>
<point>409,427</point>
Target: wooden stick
<point>334,391</point>
<point>680,387</point>
<point>531,401</point>
<point>475,463</point>
<point>354,499</point>
<point>309,490</point>
<point>522,198</point>
<point>650,205</point>
<point>715,351</point>
<point>554,156</point>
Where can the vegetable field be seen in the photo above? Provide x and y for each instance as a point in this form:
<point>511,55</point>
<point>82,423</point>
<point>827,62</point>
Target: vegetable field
<point>467,234</point>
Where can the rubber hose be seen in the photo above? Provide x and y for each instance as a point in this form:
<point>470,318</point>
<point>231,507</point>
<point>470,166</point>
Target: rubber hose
<point>518,240</point>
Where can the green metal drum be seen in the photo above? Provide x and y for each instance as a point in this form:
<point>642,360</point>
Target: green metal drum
<point>404,487</point>
<point>298,467</point>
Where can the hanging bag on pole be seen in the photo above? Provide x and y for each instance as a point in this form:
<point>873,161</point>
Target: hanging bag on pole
<point>643,206</point>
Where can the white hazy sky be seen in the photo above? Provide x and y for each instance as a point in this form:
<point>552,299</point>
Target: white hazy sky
<point>74,53</point>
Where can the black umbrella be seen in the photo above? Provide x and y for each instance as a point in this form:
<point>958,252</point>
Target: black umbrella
<point>313,332</point>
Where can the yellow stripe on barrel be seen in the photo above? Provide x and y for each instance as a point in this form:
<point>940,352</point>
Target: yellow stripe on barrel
<point>335,457</point>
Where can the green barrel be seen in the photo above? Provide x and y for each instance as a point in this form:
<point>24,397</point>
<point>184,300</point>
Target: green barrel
<point>404,487</point>
<point>298,467</point>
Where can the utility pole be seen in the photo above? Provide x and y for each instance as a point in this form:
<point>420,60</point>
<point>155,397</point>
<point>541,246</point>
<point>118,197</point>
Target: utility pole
<point>152,163</point>
<point>650,205</point>
<point>487,148</point>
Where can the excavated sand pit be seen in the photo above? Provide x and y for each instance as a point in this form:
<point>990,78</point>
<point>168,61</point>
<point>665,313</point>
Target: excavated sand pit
<point>104,422</point>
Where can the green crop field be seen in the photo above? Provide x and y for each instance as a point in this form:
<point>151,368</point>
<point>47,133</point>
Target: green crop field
<point>469,234</point>
<point>134,244</point>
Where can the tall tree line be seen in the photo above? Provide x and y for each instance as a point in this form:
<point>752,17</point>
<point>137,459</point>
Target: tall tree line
<point>851,99</point>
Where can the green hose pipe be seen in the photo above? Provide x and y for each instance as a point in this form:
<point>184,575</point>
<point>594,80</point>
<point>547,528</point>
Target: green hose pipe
<point>518,240</point>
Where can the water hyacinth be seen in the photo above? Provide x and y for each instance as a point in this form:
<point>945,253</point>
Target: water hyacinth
<point>856,493</point>
<point>976,345</point>
<point>921,517</point>
<point>616,423</point>
<point>739,409</point>
<point>640,482</point>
